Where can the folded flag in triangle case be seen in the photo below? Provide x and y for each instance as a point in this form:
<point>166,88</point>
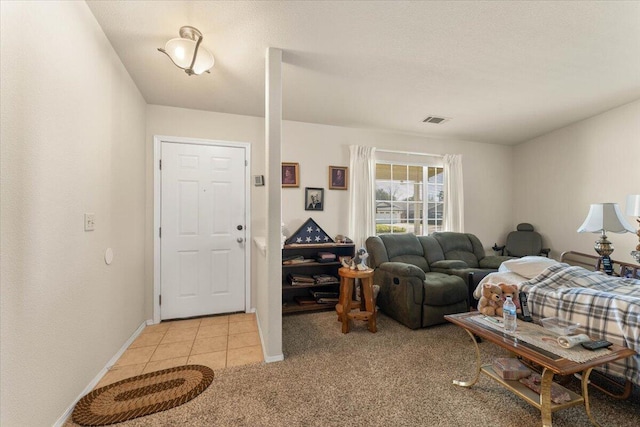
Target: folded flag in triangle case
<point>309,233</point>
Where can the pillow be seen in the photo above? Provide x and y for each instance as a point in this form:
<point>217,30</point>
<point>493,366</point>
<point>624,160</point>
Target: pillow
<point>528,266</point>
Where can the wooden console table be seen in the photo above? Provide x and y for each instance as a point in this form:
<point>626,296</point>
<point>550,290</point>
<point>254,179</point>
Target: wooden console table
<point>550,363</point>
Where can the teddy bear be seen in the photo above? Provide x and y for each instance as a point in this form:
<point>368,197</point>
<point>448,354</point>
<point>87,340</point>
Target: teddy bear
<point>509,291</point>
<point>490,300</point>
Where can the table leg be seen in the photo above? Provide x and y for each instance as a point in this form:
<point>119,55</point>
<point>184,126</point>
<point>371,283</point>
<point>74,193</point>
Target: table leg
<point>475,379</point>
<point>585,395</point>
<point>545,397</point>
<point>366,294</point>
<point>346,284</point>
<point>339,307</point>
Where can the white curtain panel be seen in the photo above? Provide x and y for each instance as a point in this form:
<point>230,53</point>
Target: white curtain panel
<point>362,177</point>
<point>453,193</point>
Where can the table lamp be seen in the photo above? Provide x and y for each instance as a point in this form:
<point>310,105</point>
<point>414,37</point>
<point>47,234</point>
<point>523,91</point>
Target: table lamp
<point>633,209</point>
<point>605,217</point>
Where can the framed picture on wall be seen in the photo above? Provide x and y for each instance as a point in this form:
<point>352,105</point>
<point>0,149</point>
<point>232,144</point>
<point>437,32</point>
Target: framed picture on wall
<point>629,272</point>
<point>314,199</point>
<point>290,175</point>
<point>338,177</point>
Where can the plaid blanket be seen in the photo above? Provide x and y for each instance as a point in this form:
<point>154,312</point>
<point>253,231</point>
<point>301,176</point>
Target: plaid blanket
<point>606,307</point>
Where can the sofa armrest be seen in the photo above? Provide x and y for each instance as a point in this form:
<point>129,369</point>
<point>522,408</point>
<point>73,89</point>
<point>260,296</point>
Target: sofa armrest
<point>402,269</point>
<point>401,292</point>
<point>493,261</point>
<point>449,264</point>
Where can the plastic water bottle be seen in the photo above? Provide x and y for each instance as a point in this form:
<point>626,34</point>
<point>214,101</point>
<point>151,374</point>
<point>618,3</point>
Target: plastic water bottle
<point>509,315</point>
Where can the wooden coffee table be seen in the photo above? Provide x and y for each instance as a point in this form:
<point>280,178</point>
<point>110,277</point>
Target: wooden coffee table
<point>551,364</point>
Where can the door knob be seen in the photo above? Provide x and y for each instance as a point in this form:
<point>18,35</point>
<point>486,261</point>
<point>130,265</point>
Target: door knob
<point>239,227</point>
<point>239,239</point>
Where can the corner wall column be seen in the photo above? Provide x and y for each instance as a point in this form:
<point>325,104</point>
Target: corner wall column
<point>273,140</point>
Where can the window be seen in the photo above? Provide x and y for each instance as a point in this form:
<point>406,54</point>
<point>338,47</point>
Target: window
<point>408,197</point>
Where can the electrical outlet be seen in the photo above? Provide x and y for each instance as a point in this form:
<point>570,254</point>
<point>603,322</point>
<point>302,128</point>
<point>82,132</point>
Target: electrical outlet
<point>89,221</point>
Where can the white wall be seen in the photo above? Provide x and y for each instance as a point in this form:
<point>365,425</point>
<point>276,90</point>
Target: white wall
<point>487,167</point>
<point>558,175</point>
<point>183,122</point>
<point>72,132</point>
<point>74,140</point>
<point>487,171</point>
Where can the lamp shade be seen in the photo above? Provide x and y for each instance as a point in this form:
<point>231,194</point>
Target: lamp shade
<point>204,61</point>
<point>188,53</point>
<point>604,217</point>
<point>633,205</point>
<point>180,51</point>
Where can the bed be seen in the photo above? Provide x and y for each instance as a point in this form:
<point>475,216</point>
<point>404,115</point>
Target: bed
<point>606,307</point>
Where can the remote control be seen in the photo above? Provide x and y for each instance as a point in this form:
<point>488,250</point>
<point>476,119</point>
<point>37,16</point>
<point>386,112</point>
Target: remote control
<point>526,315</point>
<point>594,345</point>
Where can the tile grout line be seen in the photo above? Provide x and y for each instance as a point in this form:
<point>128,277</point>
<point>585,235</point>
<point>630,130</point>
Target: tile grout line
<point>155,349</point>
<point>191,348</point>
<point>193,343</point>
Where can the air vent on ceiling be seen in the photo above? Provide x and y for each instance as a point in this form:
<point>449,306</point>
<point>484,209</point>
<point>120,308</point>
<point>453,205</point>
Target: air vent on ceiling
<point>436,120</point>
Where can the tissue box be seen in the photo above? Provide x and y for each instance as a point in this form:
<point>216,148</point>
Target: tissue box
<point>510,368</point>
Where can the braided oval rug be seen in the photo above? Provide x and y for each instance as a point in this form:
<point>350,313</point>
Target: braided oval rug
<point>142,395</point>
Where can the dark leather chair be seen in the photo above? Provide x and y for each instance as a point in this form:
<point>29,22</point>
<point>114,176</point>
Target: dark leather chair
<point>523,242</point>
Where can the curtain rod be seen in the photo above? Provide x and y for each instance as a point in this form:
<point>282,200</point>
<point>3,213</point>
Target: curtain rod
<point>408,152</point>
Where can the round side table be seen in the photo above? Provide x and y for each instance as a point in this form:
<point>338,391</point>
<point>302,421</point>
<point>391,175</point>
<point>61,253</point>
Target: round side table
<point>367,307</point>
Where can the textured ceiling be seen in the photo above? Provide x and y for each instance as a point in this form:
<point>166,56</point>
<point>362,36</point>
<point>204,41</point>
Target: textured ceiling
<point>504,72</point>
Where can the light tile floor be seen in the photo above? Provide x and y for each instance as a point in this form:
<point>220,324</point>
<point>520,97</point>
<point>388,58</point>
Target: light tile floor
<point>217,342</point>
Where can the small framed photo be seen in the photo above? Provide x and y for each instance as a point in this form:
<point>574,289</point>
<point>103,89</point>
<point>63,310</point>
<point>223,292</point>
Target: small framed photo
<point>314,199</point>
<point>290,175</point>
<point>629,272</point>
<point>338,177</point>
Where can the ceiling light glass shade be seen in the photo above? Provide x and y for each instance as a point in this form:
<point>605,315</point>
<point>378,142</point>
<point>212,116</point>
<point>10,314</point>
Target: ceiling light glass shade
<point>204,61</point>
<point>180,51</point>
<point>187,52</point>
<point>604,217</point>
<point>633,205</point>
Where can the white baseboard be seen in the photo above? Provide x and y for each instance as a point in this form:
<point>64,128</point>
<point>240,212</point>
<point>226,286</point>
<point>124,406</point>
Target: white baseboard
<point>271,359</point>
<point>60,422</point>
<point>267,359</point>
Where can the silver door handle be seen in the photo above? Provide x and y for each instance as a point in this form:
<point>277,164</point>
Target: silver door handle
<point>239,239</point>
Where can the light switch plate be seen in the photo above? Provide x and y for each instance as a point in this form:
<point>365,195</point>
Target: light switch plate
<point>89,221</point>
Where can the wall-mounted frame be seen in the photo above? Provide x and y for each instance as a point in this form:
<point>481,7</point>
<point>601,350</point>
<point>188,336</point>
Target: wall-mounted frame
<point>338,177</point>
<point>290,175</point>
<point>630,272</point>
<point>313,199</point>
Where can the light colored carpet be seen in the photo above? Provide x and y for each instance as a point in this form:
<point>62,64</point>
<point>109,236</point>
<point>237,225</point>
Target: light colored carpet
<point>396,377</point>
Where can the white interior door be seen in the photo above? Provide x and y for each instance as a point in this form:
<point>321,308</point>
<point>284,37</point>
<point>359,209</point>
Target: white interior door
<point>203,234</point>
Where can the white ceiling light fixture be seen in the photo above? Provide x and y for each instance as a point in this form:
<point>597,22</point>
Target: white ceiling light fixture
<point>187,53</point>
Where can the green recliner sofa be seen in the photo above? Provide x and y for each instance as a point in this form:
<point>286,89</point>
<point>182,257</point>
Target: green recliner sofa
<point>423,278</point>
<point>410,292</point>
<point>462,254</point>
